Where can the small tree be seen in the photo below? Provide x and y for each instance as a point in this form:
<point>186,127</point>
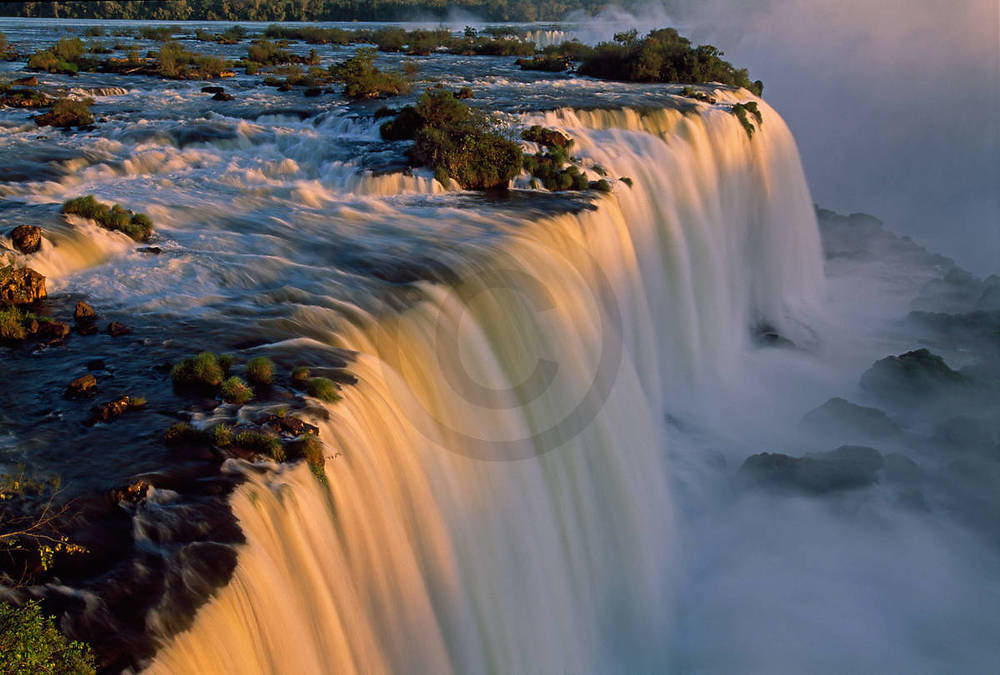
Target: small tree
<point>30,643</point>
<point>362,79</point>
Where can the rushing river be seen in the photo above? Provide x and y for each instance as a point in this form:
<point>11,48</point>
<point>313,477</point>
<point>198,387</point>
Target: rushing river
<point>535,467</point>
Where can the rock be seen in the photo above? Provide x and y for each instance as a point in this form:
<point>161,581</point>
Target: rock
<point>106,412</point>
<point>766,335</point>
<point>132,494</point>
<point>84,313</point>
<point>154,250</point>
<point>210,89</point>
<point>901,469</point>
<point>81,387</point>
<point>26,82</point>
<point>284,86</point>
<point>839,418</point>
<point>96,364</point>
<point>288,425</point>
<point>26,238</point>
<point>53,332</point>
<point>21,286</point>
<point>313,92</point>
<point>550,138</point>
<point>116,329</point>
<point>222,96</point>
<point>848,467</point>
<point>911,376</point>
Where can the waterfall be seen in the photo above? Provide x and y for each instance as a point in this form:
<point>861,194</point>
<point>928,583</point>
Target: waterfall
<point>498,486</point>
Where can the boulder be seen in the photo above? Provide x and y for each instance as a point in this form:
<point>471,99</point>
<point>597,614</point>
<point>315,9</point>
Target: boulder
<point>848,467</point>
<point>912,376</point>
<point>313,92</point>
<point>111,410</point>
<point>839,418</point>
<point>84,313</point>
<point>222,96</point>
<point>212,89</point>
<point>550,138</point>
<point>116,329</point>
<point>81,387</point>
<point>96,364</point>
<point>21,286</point>
<point>153,250</point>
<point>288,425</point>
<point>53,332</point>
<point>26,82</point>
<point>26,238</point>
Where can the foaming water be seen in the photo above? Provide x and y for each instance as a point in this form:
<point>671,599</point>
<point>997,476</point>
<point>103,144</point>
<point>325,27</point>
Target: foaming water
<point>498,496</point>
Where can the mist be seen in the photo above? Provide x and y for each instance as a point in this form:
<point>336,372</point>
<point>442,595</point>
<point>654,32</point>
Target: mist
<point>893,104</point>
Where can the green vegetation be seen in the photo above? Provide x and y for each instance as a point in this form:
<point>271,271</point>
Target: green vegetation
<point>138,226</point>
<point>203,371</point>
<point>456,141</point>
<point>222,435</point>
<point>184,435</point>
<point>549,63</point>
<point>260,443</point>
<point>176,63</point>
<point>743,111</point>
<point>30,643</point>
<point>66,113</point>
<point>309,448</point>
<point>235,390</point>
<point>363,80</point>
<point>66,57</point>
<point>12,324</point>
<point>300,377</point>
<point>663,56</point>
<point>323,388</point>
<point>267,53</point>
<point>260,371</point>
<point>690,92</point>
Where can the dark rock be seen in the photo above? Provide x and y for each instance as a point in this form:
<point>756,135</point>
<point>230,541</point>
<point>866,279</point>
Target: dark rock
<point>81,387</point>
<point>53,332</point>
<point>106,412</point>
<point>222,96</point>
<point>96,364</point>
<point>21,286</point>
<point>211,89</point>
<point>130,495</point>
<point>766,335</point>
<point>838,418</point>
<point>154,250</point>
<point>288,425</point>
<point>84,313</point>
<point>901,469</point>
<point>284,87</point>
<point>550,138</point>
<point>848,467</point>
<point>26,238</point>
<point>911,376</point>
<point>26,82</point>
<point>313,92</point>
<point>116,329</point>
<point>86,328</point>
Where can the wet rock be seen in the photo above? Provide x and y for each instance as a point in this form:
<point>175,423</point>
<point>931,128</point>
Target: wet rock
<point>96,364</point>
<point>116,329</point>
<point>82,387</point>
<point>284,87</point>
<point>131,494</point>
<point>50,332</point>
<point>213,89</point>
<point>222,96</point>
<point>26,238</point>
<point>766,335</point>
<point>21,286</point>
<point>313,92</point>
<point>112,410</point>
<point>84,313</point>
<point>912,376</point>
<point>26,82</point>
<point>848,467</point>
<point>288,425</point>
<point>154,250</point>
<point>839,417</point>
<point>551,138</point>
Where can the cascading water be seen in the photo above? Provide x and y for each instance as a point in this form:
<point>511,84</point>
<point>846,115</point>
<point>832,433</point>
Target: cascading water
<point>498,496</point>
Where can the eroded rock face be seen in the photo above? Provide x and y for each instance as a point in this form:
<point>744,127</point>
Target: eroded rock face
<point>26,238</point>
<point>846,468</point>
<point>21,286</point>
<point>838,417</point>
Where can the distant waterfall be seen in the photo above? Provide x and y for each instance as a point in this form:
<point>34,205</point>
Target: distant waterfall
<point>498,484</point>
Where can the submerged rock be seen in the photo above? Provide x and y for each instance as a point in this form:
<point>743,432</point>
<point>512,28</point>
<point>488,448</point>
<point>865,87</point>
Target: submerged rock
<point>26,238</point>
<point>222,96</point>
<point>116,329</point>
<point>848,467</point>
<point>83,386</point>
<point>211,89</point>
<point>21,286</point>
<point>112,410</point>
<point>839,416</point>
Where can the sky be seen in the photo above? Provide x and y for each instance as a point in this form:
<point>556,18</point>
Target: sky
<point>894,104</point>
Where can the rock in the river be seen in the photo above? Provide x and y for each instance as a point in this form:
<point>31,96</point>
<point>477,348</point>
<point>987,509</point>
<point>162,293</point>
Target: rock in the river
<point>847,467</point>
<point>212,89</point>
<point>84,313</point>
<point>288,426</point>
<point>26,82</point>
<point>114,409</point>
<point>839,418</point>
<point>222,96</point>
<point>116,329</point>
<point>313,92</point>
<point>26,238</point>
<point>81,387</point>
<point>911,376</point>
<point>21,286</point>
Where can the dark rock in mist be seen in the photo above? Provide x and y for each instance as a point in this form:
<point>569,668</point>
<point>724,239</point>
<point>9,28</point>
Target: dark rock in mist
<point>766,335</point>
<point>839,417</point>
<point>901,469</point>
<point>26,238</point>
<point>964,432</point>
<point>913,377</point>
<point>848,467</point>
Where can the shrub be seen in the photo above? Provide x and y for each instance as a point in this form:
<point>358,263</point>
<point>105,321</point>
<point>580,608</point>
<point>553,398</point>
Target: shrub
<point>4,45</point>
<point>66,57</point>
<point>741,110</point>
<point>12,324</point>
<point>202,372</point>
<point>554,63</point>
<point>267,53</point>
<point>183,434</point>
<point>450,136</point>
<point>309,448</point>
<point>67,112</point>
<point>30,643</point>
<point>222,435</point>
<point>300,377</point>
<point>235,390</point>
<point>174,62</point>
<point>260,443</point>
<point>362,79</point>
<point>260,371</point>
<point>138,226</point>
<point>323,388</point>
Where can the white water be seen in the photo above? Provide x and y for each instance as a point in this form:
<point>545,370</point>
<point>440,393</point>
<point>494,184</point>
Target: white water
<point>478,520</point>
